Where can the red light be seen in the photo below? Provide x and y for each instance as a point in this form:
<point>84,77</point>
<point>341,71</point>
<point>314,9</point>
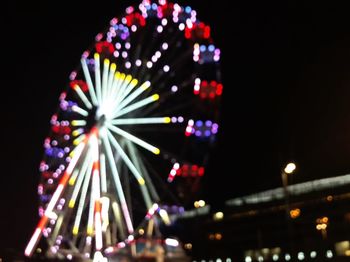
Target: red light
<point>62,130</point>
<point>104,46</point>
<point>135,19</point>
<point>82,84</point>
<point>166,10</point>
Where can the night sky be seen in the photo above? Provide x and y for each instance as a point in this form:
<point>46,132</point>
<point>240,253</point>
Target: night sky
<point>286,75</point>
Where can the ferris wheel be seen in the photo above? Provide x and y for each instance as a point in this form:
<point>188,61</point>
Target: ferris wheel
<point>132,132</point>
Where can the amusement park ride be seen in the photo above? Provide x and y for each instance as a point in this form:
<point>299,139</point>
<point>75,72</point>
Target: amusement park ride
<point>130,139</point>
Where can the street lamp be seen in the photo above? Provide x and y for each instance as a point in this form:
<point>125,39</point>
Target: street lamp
<point>288,170</point>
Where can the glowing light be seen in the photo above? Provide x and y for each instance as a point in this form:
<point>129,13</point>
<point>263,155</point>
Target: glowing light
<point>218,216</point>
<point>290,168</point>
<point>165,46</point>
<point>82,96</point>
<point>166,68</point>
<point>137,105</point>
<point>80,110</point>
<point>313,254</point>
<point>134,139</point>
<point>78,123</point>
<point>88,80</point>
<point>329,254</point>
<point>171,242</point>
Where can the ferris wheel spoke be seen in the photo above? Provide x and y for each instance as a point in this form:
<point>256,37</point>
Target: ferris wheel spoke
<point>82,199</point>
<point>125,158</point>
<point>98,77</point>
<point>132,96</point>
<point>118,219</point>
<point>136,105</point>
<point>103,173</point>
<point>134,139</point>
<point>116,178</point>
<point>82,96</point>
<point>107,88</point>
<point>145,120</point>
<point>96,193</point>
<point>89,82</point>
<point>80,111</point>
<point>78,123</point>
<point>126,86</point>
<point>48,212</point>
<point>77,181</point>
<point>137,159</point>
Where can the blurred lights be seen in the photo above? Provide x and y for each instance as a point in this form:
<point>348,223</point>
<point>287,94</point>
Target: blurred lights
<point>218,216</point>
<point>294,213</point>
<point>301,256</point>
<point>313,254</point>
<point>199,204</point>
<point>188,246</point>
<point>171,242</point>
<point>329,254</point>
<point>290,168</point>
<point>248,259</point>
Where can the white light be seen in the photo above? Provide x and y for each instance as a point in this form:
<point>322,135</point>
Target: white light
<point>248,259</point>
<point>260,259</point>
<point>124,54</point>
<point>171,242</point>
<point>228,259</point>
<point>154,59</point>
<point>165,46</point>
<point>329,254</point>
<point>149,64</point>
<point>181,26</point>
<point>275,257</point>
<point>287,257</point>
<point>164,21</point>
<point>218,260</point>
<point>69,256</point>
<point>158,54</point>
<point>301,256</point>
<point>138,62</point>
<point>133,28</point>
<point>174,89</point>
<point>159,29</point>
<point>127,45</point>
<point>290,167</point>
<point>313,254</point>
<point>118,45</point>
<point>218,216</point>
<point>166,68</point>
<point>89,81</point>
<point>128,65</point>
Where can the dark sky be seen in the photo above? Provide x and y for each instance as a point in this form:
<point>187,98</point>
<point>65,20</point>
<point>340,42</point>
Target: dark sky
<point>286,74</point>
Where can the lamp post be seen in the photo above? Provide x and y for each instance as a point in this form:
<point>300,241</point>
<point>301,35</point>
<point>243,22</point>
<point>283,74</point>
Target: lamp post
<point>286,172</point>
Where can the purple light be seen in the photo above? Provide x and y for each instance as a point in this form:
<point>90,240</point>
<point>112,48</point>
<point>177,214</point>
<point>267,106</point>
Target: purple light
<point>215,126</point>
<point>180,119</point>
<point>199,123</point>
<point>208,123</point>
<point>198,133</point>
<point>207,133</point>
